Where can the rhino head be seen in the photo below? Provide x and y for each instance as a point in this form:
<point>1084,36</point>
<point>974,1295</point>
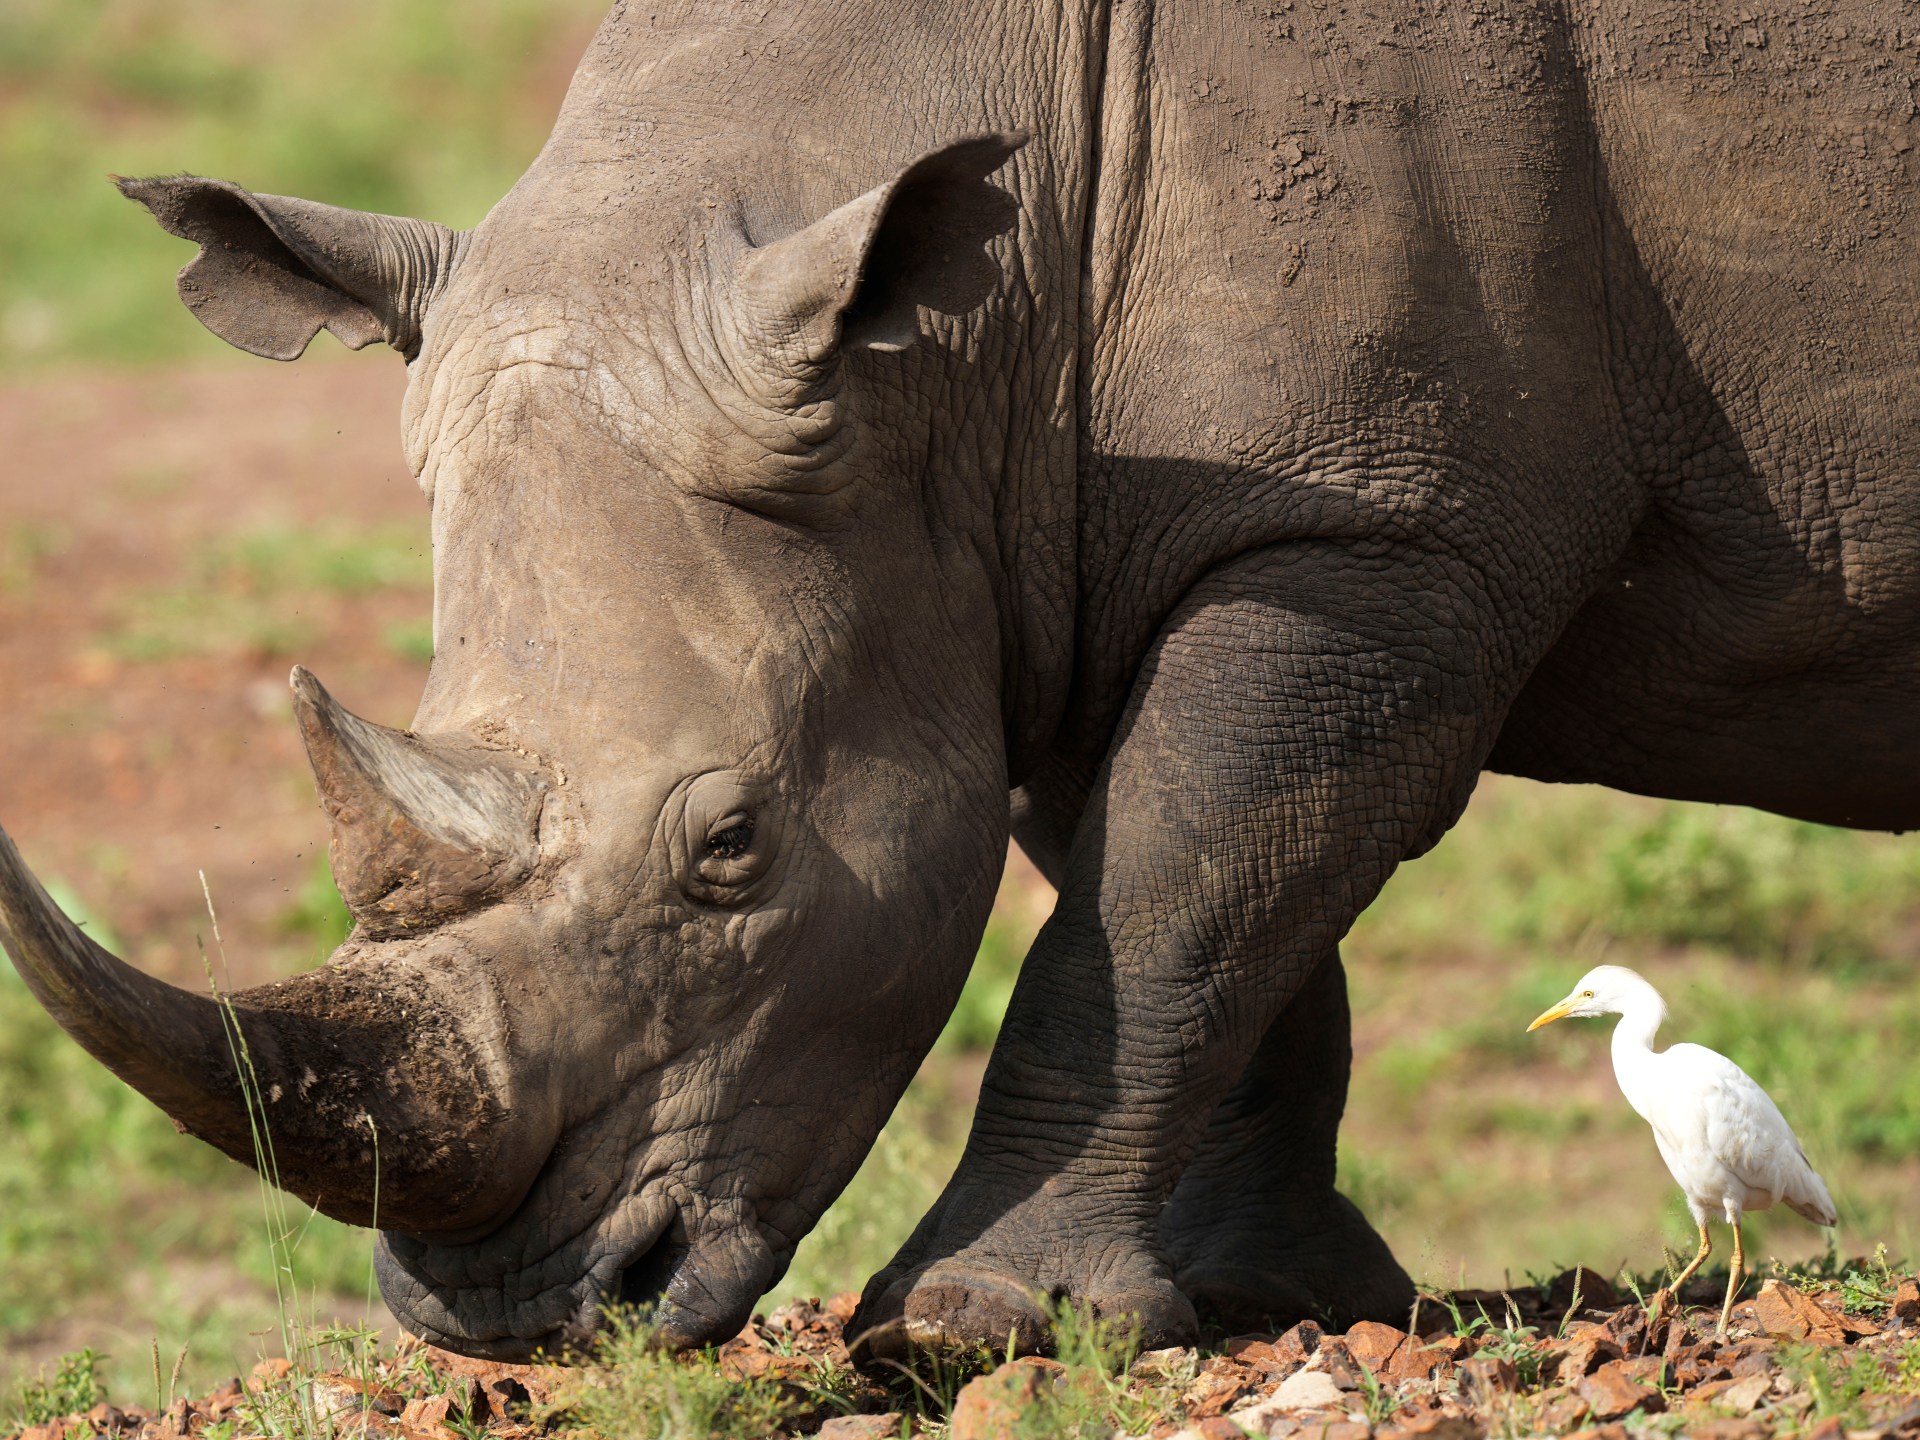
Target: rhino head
<point>681,866</point>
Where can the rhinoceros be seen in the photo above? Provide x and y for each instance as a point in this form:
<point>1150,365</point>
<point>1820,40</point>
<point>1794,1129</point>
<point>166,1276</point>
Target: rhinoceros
<point>1194,439</point>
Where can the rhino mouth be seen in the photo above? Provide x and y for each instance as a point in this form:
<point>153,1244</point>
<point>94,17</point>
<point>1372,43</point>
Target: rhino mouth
<point>696,1284</point>
<point>492,1299</point>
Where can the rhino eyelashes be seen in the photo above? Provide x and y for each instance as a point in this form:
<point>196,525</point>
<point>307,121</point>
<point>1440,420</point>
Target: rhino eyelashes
<point>423,830</point>
<point>730,841</point>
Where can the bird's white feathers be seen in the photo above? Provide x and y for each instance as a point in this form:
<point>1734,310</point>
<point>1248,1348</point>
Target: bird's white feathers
<point>1724,1139</point>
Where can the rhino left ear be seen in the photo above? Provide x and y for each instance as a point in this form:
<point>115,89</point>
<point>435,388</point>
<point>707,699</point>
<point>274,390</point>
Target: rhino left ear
<point>273,270</point>
<point>858,276</point>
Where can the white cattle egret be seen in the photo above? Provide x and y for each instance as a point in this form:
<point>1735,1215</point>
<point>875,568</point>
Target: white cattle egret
<point>1724,1139</point>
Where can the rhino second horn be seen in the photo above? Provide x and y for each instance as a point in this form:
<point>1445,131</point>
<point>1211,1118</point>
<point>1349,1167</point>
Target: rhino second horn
<point>422,830</point>
<point>324,1054</point>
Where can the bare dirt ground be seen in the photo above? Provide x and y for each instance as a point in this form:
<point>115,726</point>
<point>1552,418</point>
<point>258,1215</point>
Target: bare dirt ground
<point>122,777</point>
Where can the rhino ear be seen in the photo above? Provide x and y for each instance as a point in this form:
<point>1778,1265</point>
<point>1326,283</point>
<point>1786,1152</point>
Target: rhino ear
<point>272,270</point>
<point>858,276</point>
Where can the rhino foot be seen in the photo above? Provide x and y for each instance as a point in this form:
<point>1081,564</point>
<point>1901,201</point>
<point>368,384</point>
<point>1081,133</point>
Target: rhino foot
<point>963,1305</point>
<point>1301,1259</point>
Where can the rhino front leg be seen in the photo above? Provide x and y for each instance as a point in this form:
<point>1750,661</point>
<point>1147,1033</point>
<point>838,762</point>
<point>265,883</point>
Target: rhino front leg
<point>1257,1234</point>
<point>1304,720</point>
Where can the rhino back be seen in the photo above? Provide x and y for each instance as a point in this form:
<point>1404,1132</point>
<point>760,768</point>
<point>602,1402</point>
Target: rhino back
<point>1758,642</point>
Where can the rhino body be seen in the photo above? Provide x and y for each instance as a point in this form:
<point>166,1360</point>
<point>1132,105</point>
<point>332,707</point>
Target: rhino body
<point>1224,429</point>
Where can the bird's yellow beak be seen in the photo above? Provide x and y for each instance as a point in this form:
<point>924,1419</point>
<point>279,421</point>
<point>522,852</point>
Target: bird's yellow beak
<point>1558,1012</point>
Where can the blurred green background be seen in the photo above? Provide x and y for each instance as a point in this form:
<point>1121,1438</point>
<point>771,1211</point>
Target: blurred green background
<point>1484,1153</point>
<point>414,107</point>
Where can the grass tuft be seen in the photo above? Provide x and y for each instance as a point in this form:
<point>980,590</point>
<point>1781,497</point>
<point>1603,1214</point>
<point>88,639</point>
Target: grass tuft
<point>634,1388</point>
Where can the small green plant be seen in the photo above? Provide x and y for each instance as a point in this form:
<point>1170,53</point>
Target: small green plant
<point>1866,1286</point>
<point>1838,1380</point>
<point>1514,1343</point>
<point>73,1389</point>
<point>635,1388</point>
<point>1381,1402</point>
<point>1092,1398</point>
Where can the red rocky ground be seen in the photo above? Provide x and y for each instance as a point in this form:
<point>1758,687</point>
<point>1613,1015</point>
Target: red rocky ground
<point>1538,1363</point>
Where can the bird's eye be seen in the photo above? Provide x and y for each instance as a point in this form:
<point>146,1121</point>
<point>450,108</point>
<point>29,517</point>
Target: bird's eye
<point>1586,994</point>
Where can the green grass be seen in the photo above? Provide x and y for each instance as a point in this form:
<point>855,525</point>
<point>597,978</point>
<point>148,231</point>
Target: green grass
<point>250,592</point>
<point>106,1212</point>
<point>402,106</point>
<point>633,1389</point>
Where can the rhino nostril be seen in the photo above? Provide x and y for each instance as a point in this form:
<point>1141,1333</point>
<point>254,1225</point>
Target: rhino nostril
<point>644,1281</point>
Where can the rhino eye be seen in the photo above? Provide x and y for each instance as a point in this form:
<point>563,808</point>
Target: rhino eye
<point>730,838</point>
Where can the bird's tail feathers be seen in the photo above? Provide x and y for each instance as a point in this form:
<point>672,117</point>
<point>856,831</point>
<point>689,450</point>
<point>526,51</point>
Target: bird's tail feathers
<point>1808,1197</point>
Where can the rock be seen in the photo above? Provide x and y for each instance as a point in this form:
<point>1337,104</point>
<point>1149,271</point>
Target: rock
<point>1596,1292</point>
<point>1906,1301</point>
<point>1172,1363</point>
<point>504,1399</point>
<point>842,1306</point>
<point>1304,1390</point>
<point>1216,1427</point>
<point>1697,1365</point>
<point>990,1406</point>
<point>431,1417</point>
<point>1600,1432</point>
<point>106,1417</point>
<point>1612,1392</point>
<point>1433,1360</point>
<point>1373,1344</point>
<point>1247,1348</point>
<point>1784,1313</point>
<point>860,1427</point>
<point>1586,1355</point>
<point>740,1361</point>
<point>1628,1329</point>
<point>1749,1357</point>
<point>1724,1429</point>
<point>1220,1383</point>
<point>346,1408</point>
<point>225,1398</point>
<point>1296,1347</point>
<point>1744,1394</point>
<point>1435,1425</point>
<point>1558,1408</point>
<point>1337,1362</point>
<point>1648,1370</point>
<point>1484,1376</point>
<point>269,1372</point>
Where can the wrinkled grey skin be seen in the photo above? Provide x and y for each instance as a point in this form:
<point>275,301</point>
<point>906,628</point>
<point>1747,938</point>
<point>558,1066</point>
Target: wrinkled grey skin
<point>1363,396</point>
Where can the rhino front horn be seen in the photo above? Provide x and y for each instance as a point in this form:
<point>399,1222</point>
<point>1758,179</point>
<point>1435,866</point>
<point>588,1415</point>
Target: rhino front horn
<point>378,1086</point>
<point>423,829</point>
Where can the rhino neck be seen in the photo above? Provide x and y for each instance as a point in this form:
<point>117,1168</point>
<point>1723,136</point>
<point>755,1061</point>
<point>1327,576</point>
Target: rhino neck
<point>794,109</point>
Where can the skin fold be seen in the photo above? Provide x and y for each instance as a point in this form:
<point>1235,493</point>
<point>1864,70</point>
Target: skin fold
<point>1196,438</point>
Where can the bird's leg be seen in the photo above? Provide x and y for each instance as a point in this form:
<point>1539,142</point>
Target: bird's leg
<point>1672,1292</point>
<point>1734,1277</point>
